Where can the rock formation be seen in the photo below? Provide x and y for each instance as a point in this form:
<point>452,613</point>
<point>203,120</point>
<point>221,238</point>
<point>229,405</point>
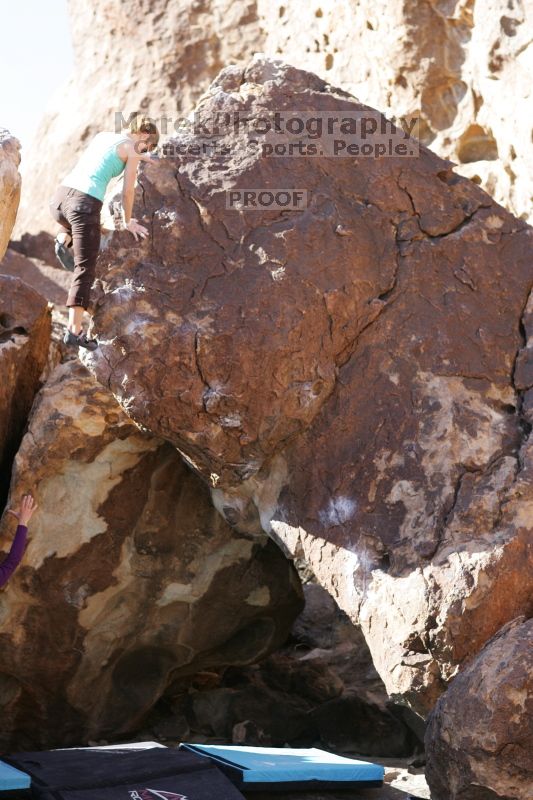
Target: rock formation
<point>480,735</point>
<point>319,689</point>
<point>40,245</point>
<point>9,186</point>
<point>24,324</point>
<point>353,377</point>
<point>131,579</point>
<point>25,327</point>
<point>461,69</point>
<point>51,282</point>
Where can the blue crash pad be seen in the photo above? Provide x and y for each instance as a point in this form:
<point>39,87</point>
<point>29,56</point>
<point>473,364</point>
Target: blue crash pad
<point>281,766</point>
<point>12,779</point>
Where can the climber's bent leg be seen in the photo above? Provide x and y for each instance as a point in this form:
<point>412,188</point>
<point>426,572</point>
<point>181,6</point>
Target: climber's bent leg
<point>63,239</point>
<point>83,213</point>
<point>55,207</point>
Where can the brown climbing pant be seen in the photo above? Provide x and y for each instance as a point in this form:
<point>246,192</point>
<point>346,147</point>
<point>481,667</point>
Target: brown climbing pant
<point>79,214</point>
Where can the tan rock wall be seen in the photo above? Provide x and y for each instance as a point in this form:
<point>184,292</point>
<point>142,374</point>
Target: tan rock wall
<point>463,66</point>
<point>9,186</point>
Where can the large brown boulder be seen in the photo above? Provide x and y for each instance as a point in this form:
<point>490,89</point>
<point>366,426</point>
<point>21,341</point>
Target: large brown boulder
<point>351,377</point>
<point>25,327</point>
<point>480,736</point>
<point>130,580</point>
<point>9,186</point>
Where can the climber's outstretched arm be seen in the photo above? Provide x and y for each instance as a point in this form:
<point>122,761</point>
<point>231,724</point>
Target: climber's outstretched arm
<point>14,557</point>
<point>128,188</point>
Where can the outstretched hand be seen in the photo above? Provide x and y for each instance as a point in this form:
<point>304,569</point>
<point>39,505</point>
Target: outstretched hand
<point>136,229</point>
<point>26,510</point>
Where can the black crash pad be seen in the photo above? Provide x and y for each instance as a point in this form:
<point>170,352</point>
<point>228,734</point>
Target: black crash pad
<point>152,773</point>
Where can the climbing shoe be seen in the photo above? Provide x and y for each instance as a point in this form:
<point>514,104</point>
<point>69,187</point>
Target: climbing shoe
<point>64,253</point>
<point>79,340</point>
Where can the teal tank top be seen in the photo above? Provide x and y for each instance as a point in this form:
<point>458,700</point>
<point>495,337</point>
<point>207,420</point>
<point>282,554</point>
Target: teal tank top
<point>98,164</point>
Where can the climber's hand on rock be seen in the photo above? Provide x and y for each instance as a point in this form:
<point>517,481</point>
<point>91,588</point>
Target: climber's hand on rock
<point>26,509</point>
<point>150,158</point>
<point>136,229</point>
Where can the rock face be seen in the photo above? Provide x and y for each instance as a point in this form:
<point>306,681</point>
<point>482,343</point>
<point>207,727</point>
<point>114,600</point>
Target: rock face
<point>39,246</point>
<point>462,68</point>
<point>354,377</point>
<point>25,326</point>
<point>51,282</point>
<point>9,186</point>
<point>480,735</point>
<point>131,579</point>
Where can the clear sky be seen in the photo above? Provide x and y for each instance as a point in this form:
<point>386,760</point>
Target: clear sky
<point>35,59</point>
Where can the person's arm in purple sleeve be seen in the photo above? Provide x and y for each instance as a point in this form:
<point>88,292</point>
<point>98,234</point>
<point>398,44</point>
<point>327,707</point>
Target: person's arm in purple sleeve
<point>14,557</point>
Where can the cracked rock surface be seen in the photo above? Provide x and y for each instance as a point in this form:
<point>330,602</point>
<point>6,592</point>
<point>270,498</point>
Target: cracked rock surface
<point>25,323</point>
<point>353,378</point>
<point>462,68</point>
<point>480,735</point>
<point>25,329</point>
<point>120,591</point>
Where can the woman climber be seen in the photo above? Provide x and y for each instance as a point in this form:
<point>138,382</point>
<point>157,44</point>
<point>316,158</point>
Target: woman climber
<point>14,557</point>
<point>77,203</point>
